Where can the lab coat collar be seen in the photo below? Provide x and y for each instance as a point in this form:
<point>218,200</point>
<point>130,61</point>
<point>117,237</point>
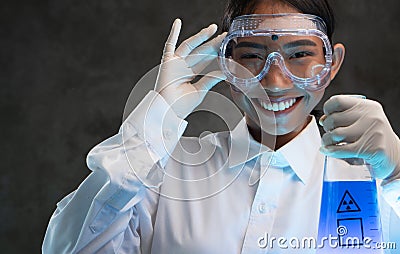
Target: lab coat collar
<point>299,153</point>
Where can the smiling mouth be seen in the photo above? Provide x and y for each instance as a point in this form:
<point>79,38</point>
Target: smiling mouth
<point>278,106</point>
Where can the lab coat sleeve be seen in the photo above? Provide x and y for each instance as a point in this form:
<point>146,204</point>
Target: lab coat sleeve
<point>113,207</point>
<point>391,193</point>
<point>390,216</point>
<point>391,185</point>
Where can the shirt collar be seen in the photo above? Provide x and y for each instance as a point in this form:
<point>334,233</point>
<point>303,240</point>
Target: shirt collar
<point>300,153</point>
<point>243,147</point>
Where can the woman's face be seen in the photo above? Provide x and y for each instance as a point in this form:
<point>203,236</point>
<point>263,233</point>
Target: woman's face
<point>280,89</point>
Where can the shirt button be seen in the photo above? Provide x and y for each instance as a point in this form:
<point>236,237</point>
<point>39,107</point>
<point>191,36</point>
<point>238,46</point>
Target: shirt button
<point>262,208</point>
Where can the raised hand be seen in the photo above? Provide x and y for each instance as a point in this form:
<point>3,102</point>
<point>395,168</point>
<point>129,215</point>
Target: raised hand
<point>180,66</point>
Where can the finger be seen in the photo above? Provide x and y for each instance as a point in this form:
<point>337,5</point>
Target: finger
<point>339,135</point>
<point>196,40</point>
<point>211,47</point>
<point>341,152</point>
<point>203,62</point>
<point>170,44</point>
<point>333,138</point>
<point>321,120</point>
<point>202,56</point>
<point>338,119</point>
<point>209,81</point>
<point>356,149</point>
<point>339,103</point>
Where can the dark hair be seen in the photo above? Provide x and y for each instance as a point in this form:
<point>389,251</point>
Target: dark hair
<point>320,8</point>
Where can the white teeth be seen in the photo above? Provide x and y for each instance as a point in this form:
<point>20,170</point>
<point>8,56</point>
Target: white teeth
<point>282,106</point>
<point>277,106</point>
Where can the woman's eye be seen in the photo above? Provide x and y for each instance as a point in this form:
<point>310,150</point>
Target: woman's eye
<point>252,56</point>
<point>301,54</point>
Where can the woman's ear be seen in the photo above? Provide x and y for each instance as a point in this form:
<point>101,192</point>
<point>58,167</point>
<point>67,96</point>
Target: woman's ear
<point>337,58</point>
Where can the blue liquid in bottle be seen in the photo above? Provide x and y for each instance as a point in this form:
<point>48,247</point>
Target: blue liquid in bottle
<point>349,217</point>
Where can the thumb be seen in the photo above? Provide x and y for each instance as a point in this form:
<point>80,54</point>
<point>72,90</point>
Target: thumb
<point>209,81</point>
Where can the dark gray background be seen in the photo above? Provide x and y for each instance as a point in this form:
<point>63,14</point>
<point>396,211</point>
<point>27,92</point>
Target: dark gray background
<point>67,68</point>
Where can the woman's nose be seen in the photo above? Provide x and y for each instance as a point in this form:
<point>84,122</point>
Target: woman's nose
<point>275,80</point>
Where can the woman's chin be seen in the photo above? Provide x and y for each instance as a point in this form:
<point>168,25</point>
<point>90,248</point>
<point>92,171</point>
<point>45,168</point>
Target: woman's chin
<point>281,128</point>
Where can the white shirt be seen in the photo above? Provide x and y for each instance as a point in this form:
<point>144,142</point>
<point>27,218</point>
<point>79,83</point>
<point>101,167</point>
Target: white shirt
<point>220,200</point>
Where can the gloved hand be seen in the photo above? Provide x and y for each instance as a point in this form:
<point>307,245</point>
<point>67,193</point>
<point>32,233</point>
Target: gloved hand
<point>179,67</point>
<point>361,129</point>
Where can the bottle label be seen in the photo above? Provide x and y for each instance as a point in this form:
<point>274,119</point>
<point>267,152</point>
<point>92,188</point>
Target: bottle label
<point>349,218</point>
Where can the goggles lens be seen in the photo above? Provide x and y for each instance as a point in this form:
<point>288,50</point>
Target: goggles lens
<point>298,56</point>
<point>258,45</point>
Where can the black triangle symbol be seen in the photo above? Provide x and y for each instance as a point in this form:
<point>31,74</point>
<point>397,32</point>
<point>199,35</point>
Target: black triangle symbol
<point>348,204</point>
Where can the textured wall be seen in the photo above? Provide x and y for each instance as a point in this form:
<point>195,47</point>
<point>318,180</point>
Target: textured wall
<point>67,68</point>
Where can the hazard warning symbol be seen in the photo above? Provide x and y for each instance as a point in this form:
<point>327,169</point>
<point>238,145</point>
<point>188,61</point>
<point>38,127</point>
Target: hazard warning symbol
<point>348,204</point>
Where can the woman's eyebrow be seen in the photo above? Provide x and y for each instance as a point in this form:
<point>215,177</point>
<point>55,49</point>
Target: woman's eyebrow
<point>292,44</point>
<point>248,44</point>
<point>299,43</point>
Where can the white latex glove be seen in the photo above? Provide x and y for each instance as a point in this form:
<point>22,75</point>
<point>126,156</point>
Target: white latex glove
<point>363,126</point>
<point>179,67</point>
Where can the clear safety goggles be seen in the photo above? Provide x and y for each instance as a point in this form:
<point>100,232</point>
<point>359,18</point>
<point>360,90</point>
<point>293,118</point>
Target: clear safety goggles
<point>295,43</point>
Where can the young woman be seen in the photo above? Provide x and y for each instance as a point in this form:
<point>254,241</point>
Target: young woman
<point>147,195</point>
